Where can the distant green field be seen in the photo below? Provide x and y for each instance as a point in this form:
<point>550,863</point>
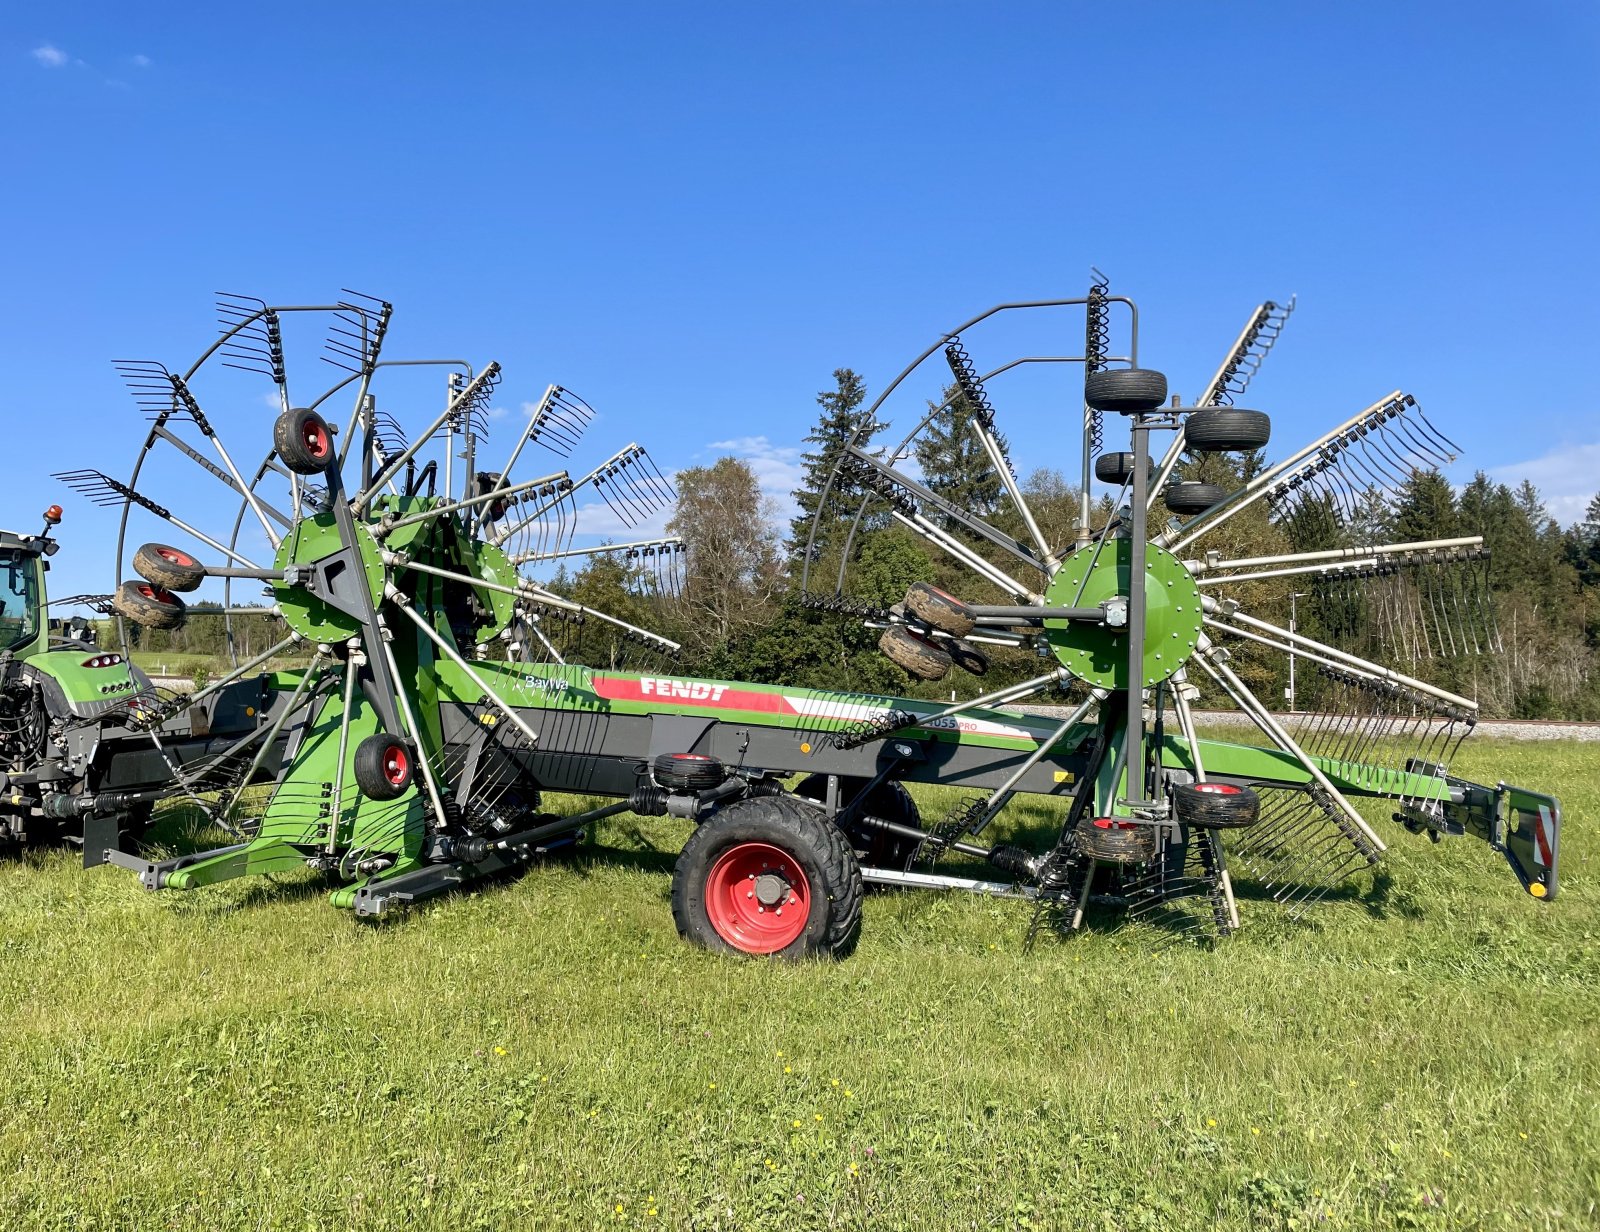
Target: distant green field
<point>1423,1051</point>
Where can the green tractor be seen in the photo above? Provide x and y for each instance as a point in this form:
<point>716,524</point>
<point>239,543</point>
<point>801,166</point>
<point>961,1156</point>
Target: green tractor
<point>87,747</point>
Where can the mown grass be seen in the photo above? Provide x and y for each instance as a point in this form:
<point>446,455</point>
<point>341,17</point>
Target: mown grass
<point>547,1053</point>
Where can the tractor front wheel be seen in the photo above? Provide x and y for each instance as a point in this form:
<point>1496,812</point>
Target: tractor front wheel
<point>768,876</point>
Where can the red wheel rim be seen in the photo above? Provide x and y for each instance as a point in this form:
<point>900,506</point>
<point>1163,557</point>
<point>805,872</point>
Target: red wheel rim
<point>315,437</point>
<point>1113,823</point>
<point>758,898</point>
<point>1218,789</point>
<point>174,557</point>
<point>156,593</point>
<point>396,765</point>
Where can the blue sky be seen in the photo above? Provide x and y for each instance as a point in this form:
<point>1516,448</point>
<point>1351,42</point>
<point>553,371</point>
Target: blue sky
<point>691,213</point>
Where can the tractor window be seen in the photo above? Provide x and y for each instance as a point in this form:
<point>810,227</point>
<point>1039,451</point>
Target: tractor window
<point>19,589</point>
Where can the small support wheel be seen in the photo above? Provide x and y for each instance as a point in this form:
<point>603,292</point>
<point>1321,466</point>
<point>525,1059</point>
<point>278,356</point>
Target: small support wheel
<point>1116,468</point>
<point>768,876</point>
<point>941,610</point>
<point>304,441</point>
<point>150,605</point>
<point>384,767</point>
<point>1125,391</point>
<point>168,567</point>
<point>966,656</point>
<point>1226,429</point>
<point>1116,840</point>
<point>919,656</point>
<point>1215,806</point>
<point>1192,497</point>
<point>485,482</point>
<point>687,771</point>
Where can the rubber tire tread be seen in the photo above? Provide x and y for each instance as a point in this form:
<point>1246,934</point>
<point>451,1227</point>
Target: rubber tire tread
<point>288,438</point>
<point>1114,468</point>
<point>371,780</point>
<point>1226,429</point>
<point>967,657</point>
<point>692,774</point>
<point>917,656</point>
<point>943,611</point>
<point>1191,497</point>
<point>837,891</point>
<point>1116,845</point>
<point>151,613</point>
<point>1207,811</point>
<point>873,846</point>
<point>149,564</point>
<point>1125,391</point>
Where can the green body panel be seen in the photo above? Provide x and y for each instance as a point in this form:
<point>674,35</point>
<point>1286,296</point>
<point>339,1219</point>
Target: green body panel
<point>84,686</point>
<point>314,539</point>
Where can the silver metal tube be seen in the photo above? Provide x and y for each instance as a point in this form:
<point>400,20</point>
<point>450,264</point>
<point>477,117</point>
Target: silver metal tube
<point>966,556</point>
<point>1066,725</point>
<point>336,815</point>
<point>395,464</point>
<point>450,652</point>
<point>210,542</point>
<point>1002,467</point>
<point>468,502</point>
<point>1292,558</point>
<point>506,532</point>
<point>1251,705</point>
<point>411,725</point>
<point>1330,569</point>
<point>544,596</point>
<point>239,671</point>
<point>669,541</point>
<point>1186,725</point>
<point>249,495</point>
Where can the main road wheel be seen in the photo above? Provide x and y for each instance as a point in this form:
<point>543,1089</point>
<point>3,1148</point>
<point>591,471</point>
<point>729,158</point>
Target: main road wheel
<point>768,876</point>
<point>304,441</point>
<point>384,766</point>
<point>941,610</point>
<point>917,655</point>
<point>168,567</point>
<point>889,800</point>
<point>1126,391</point>
<point>1215,806</point>
<point>149,605</point>
<point>1226,429</point>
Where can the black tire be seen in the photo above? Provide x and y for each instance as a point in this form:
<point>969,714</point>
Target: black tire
<point>1117,468</point>
<point>807,847</point>
<point>889,800</point>
<point>483,483</point>
<point>1192,497</point>
<point>168,567</point>
<point>384,766</point>
<point>1115,841</point>
<point>941,610</point>
<point>304,441</point>
<point>687,771</point>
<point>1226,429</point>
<point>917,655</point>
<point>1126,391</point>
<point>1215,806</point>
<point>149,605</point>
<point>966,656</point>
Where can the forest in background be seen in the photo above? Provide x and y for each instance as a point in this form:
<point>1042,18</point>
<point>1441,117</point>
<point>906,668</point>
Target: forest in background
<point>1520,632</point>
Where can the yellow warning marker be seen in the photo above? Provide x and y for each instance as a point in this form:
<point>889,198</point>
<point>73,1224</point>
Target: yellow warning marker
<point>1063,776</point>
<point>805,746</point>
<point>1537,889</point>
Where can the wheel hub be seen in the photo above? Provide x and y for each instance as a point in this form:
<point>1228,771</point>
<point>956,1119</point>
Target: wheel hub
<point>771,890</point>
<point>1098,653</point>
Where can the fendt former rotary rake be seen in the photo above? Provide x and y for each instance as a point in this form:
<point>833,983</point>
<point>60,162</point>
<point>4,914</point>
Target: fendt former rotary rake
<point>437,711</point>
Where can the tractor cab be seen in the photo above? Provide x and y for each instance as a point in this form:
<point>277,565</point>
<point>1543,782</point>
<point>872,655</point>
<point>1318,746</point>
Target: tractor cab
<point>24,630</point>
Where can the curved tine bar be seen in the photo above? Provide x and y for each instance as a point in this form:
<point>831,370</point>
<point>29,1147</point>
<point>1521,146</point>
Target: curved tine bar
<point>1258,487</point>
<point>404,604</point>
<point>1186,724</point>
<point>1327,569</point>
<point>523,437</point>
<point>412,728</point>
<point>489,373</point>
<point>506,532</point>
<point>1335,554</point>
<point>1273,730</point>
<point>277,724</point>
<point>871,412</point>
<point>1299,641</point>
<point>471,501</point>
<point>532,624</point>
<point>927,530</point>
<point>229,334</point>
<point>1213,391</point>
<point>669,541</point>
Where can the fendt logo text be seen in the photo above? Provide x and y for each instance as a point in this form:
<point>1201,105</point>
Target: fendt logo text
<point>689,690</point>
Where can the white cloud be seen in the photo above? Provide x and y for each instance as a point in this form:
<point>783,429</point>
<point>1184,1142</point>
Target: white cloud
<point>777,468</point>
<point>1567,478</point>
<point>139,61</point>
<point>500,412</point>
<point>51,56</point>
<point>599,519</point>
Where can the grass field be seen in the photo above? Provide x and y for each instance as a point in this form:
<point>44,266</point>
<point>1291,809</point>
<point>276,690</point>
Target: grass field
<point>548,1054</point>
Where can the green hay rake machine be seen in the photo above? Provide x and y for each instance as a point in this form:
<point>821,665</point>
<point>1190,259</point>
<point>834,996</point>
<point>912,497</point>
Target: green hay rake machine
<point>440,709</point>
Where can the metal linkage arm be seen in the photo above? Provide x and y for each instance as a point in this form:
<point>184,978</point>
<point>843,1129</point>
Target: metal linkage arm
<point>488,376</point>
